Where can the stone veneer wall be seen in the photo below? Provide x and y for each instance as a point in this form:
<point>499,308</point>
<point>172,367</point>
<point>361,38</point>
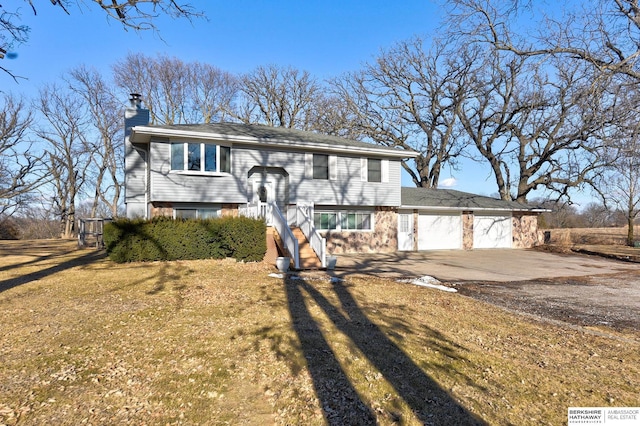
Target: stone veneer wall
<point>467,230</point>
<point>383,238</point>
<point>525,230</point>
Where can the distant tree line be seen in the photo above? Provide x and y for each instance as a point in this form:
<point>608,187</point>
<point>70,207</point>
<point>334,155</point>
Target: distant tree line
<point>543,113</point>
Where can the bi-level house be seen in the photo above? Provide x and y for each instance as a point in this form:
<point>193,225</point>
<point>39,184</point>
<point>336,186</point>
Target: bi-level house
<point>299,179</point>
<point>333,194</point>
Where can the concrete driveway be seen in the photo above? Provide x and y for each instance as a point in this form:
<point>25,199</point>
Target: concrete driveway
<point>578,289</point>
<point>501,265</point>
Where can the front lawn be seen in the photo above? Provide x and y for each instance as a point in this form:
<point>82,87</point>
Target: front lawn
<point>88,341</point>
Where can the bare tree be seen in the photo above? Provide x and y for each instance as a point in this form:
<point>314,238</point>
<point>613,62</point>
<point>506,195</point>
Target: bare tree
<point>103,140</point>
<point>176,92</point>
<point>331,115</point>
<point>621,185</point>
<point>563,214</point>
<point>597,215</point>
<point>17,162</point>
<point>603,34</point>
<point>409,98</point>
<point>536,124</point>
<point>278,97</point>
<point>64,126</point>
<point>138,15</point>
<point>212,93</point>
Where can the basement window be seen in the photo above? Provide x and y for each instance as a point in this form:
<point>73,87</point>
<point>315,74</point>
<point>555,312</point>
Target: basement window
<point>343,221</point>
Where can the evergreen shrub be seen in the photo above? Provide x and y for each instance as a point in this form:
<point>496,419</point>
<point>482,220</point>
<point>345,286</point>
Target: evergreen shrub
<point>138,240</point>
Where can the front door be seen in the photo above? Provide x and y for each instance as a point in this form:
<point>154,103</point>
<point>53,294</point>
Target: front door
<point>262,195</point>
<point>405,231</point>
<point>262,192</point>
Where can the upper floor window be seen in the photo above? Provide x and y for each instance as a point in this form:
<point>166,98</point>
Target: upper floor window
<point>200,157</point>
<point>320,166</point>
<point>374,170</point>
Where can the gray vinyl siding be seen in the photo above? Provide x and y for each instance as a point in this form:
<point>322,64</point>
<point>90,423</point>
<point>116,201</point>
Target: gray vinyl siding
<point>135,170</point>
<point>347,189</point>
<point>176,187</point>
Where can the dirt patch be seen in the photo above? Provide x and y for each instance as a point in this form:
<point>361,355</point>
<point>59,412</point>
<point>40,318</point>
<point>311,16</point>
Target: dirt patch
<point>596,301</point>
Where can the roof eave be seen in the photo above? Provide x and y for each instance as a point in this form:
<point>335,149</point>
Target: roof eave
<point>493,209</point>
<point>143,134</point>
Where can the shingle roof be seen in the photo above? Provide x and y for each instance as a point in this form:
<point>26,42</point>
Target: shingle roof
<point>276,134</point>
<point>457,200</point>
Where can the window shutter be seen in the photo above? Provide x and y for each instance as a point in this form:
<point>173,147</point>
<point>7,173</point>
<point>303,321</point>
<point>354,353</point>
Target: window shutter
<point>384,170</point>
<point>364,173</point>
<point>308,165</point>
<point>333,167</point>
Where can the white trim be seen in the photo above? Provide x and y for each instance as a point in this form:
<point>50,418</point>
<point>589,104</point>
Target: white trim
<point>384,170</point>
<point>143,134</point>
<point>472,209</point>
<point>308,165</point>
<point>333,167</point>
<point>197,173</point>
<point>364,171</point>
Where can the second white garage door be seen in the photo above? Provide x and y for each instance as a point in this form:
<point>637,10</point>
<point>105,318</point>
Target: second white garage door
<point>439,231</point>
<point>492,231</point>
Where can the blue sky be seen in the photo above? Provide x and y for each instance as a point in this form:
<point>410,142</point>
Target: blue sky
<point>326,38</point>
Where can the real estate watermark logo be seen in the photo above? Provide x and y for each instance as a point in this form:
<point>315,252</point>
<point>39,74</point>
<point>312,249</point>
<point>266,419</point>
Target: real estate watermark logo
<point>612,416</point>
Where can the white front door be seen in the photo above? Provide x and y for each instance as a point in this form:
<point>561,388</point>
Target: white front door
<point>405,231</point>
<point>262,195</point>
<point>262,192</point>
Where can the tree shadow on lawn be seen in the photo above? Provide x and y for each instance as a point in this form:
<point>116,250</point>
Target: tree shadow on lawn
<point>341,403</point>
<point>89,257</point>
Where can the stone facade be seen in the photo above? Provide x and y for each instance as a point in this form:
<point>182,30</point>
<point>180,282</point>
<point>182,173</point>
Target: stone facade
<point>383,238</point>
<point>525,230</point>
<point>467,230</point>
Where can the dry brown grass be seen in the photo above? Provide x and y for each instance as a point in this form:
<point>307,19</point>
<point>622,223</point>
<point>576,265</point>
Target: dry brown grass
<point>590,236</point>
<point>86,341</point>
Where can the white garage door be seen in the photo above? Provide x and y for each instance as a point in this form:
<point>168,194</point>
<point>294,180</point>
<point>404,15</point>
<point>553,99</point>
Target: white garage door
<point>492,231</point>
<point>439,231</point>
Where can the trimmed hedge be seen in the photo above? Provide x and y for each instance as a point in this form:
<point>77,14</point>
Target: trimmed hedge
<point>163,238</point>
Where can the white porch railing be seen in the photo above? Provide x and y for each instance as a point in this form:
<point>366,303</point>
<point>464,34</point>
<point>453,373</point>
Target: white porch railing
<point>273,217</point>
<point>288,239</point>
<point>259,211</point>
<point>304,219</point>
